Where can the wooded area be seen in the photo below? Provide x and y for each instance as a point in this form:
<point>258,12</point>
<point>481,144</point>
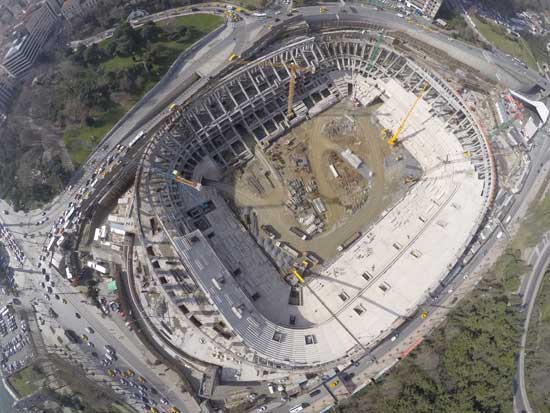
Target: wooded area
<point>467,365</point>
<point>75,97</point>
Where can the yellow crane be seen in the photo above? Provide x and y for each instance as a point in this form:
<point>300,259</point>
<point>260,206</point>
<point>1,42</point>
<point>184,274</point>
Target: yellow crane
<point>293,68</point>
<point>297,275</point>
<point>395,136</point>
<point>181,180</point>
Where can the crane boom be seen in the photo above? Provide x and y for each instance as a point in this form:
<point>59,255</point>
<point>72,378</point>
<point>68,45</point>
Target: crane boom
<point>393,139</point>
<point>181,180</point>
<point>297,275</point>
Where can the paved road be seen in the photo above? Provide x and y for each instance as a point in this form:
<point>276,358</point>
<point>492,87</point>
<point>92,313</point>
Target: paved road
<point>528,291</point>
<point>233,37</point>
<point>508,72</point>
<point>157,17</point>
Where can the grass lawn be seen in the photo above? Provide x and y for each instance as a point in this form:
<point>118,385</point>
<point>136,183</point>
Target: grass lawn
<point>497,37</point>
<point>118,63</point>
<point>81,141</point>
<point>26,381</point>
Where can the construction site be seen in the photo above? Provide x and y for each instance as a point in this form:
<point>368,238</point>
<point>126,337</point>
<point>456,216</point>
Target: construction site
<point>305,197</point>
<point>317,185</point>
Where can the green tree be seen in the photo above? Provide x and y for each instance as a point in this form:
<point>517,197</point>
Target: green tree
<point>93,55</point>
<point>150,32</point>
<point>127,39</point>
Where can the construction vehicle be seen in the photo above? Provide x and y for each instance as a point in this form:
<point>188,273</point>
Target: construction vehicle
<point>172,106</point>
<point>288,249</point>
<point>181,180</point>
<point>395,136</point>
<point>233,57</point>
<point>347,243</point>
<point>298,275</point>
<point>322,10</point>
<point>299,233</point>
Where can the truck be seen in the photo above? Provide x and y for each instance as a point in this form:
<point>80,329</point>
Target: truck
<point>299,233</point>
<point>288,249</point>
<point>270,231</point>
<point>313,258</point>
<point>348,242</point>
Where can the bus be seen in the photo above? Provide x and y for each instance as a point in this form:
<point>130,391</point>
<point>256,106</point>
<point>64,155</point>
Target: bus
<point>51,243</point>
<point>70,213</point>
<point>137,138</point>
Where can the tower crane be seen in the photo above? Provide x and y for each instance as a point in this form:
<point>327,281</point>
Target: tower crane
<point>292,68</point>
<point>395,136</point>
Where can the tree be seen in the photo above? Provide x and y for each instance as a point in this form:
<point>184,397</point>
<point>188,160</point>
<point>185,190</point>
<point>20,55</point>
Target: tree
<point>78,55</point>
<point>93,54</point>
<point>150,32</point>
<point>111,49</point>
<point>127,39</point>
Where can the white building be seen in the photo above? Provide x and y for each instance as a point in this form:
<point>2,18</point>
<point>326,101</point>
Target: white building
<point>75,8</point>
<point>428,8</point>
<point>30,37</point>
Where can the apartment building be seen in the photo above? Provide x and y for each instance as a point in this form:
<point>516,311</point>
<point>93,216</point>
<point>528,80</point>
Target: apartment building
<point>29,37</point>
<point>75,8</point>
<point>7,92</point>
<point>428,8</point>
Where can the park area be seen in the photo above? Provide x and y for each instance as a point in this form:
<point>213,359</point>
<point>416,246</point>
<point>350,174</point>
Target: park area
<point>499,39</point>
<point>118,71</point>
<point>27,381</point>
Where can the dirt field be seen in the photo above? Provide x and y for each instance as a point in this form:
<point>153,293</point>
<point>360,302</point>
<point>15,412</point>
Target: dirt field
<point>353,200</point>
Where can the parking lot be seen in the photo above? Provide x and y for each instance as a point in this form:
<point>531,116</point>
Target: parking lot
<point>14,342</point>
